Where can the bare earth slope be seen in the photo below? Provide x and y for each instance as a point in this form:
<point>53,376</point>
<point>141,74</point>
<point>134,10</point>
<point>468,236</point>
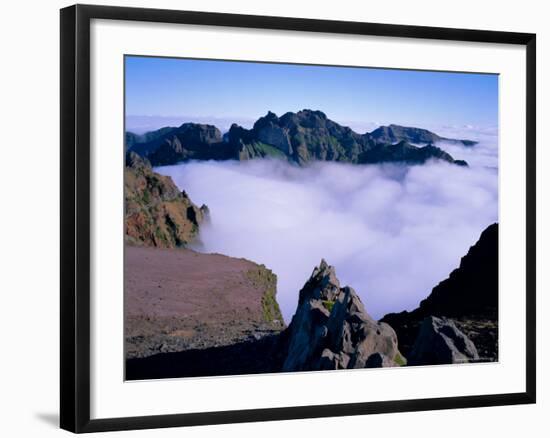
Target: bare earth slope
<point>178,299</point>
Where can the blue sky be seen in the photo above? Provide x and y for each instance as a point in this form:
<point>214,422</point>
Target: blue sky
<point>174,88</point>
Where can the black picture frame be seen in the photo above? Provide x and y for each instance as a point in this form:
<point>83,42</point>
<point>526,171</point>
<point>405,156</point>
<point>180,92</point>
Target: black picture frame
<point>75,217</point>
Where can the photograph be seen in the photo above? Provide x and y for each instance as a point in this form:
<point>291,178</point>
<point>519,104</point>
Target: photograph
<point>295,217</point>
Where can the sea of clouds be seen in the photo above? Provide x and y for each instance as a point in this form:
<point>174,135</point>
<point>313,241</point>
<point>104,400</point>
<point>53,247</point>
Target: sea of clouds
<point>392,232</point>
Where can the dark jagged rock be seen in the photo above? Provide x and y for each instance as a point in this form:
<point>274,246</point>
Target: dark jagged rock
<point>137,142</point>
<point>157,213</point>
<point>440,342</point>
<point>137,162</point>
<point>332,330</point>
<point>130,139</point>
<point>268,131</point>
<point>309,136</point>
<point>379,360</point>
<point>469,296</point>
<point>300,138</point>
<point>243,145</point>
<point>473,286</point>
<point>189,141</point>
<point>396,133</point>
<point>404,152</point>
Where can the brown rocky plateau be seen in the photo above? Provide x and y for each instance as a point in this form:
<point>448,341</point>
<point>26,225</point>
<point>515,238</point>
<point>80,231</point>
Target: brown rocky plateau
<point>179,299</point>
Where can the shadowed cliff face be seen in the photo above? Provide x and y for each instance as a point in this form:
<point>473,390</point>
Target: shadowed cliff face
<point>300,138</point>
<point>472,287</point>
<point>469,296</point>
<point>156,212</point>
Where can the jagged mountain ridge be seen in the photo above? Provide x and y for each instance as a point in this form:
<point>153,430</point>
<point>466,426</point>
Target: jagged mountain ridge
<point>299,137</point>
<point>133,139</point>
<point>396,133</point>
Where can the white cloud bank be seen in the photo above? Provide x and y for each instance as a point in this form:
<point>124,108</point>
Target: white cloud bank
<point>392,232</point>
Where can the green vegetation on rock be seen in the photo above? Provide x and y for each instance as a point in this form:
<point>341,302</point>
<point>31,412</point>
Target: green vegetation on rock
<point>266,279</point>
<point>269,151</point>
<point>157,213</point>
<point>328,304</point>
<point>400,360</point>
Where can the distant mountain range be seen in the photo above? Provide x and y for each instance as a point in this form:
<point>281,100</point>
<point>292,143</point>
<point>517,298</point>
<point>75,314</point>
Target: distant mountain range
<point>299,138</point>
<point>396,133</point>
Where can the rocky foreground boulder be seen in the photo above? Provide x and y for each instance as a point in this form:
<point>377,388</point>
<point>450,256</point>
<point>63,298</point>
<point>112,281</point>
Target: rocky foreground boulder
<point>331,329</point>
<point>469,296</point>
<point>440,342</point>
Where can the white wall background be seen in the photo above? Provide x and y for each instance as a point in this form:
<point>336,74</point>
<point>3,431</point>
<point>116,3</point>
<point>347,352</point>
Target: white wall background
<point>29,199</point>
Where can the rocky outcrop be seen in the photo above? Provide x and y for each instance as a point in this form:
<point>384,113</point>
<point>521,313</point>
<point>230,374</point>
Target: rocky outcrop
<point>311,136</point>
<point>134,141</point>
<point>469,296</point>
<point>157,213</point>
<point>395,133</point>
<point>268,131</point>
<point>241,144</point>
<point>300,138</point>
<point>440,342</point>
<point>331,329</point>
<point>189,141</point>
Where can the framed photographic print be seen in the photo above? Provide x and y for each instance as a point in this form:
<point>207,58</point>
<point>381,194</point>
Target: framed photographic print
<point>269,218</point>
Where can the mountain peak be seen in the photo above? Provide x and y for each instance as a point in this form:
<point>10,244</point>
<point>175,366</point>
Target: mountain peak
<point>270,119</point>
<point>301,137</point>
<point>309,112</point>
<point>332,330</point>
<point>271,115</point>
